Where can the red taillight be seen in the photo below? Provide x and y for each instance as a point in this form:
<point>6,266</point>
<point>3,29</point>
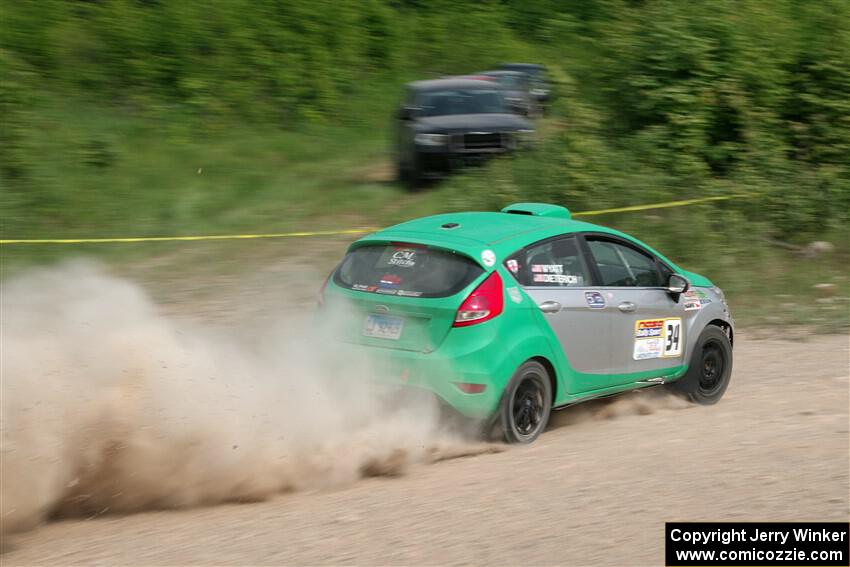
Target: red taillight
<point>482,304</point>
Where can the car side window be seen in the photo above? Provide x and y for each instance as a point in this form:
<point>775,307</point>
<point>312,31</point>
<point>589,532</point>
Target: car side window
<point>553,263</point>
<point>623,266</point>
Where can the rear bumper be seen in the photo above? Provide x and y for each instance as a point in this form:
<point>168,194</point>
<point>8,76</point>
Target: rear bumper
<point>467,355</point>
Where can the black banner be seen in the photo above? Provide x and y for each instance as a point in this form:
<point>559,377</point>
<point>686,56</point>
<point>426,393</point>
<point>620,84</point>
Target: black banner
<point>693,544</point>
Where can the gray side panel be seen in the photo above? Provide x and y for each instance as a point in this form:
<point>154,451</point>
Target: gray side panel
<point>582,332</point>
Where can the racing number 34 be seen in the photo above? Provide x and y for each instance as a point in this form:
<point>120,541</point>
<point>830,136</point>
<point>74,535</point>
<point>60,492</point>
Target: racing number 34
<point>673,337</point>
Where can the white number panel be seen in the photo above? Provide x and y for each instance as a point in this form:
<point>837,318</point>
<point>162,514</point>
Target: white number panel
<point>673,337</point>
<point>658,338</point>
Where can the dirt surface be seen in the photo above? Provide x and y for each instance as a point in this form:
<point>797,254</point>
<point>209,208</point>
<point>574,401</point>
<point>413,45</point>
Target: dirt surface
<point>595,489</point>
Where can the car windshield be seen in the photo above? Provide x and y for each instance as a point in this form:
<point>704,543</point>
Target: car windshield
<point>462,101</point>
<point>406,270</point>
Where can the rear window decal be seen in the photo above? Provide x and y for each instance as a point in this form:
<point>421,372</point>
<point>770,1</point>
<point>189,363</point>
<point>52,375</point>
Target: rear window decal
<point>389,280</point>
<point>403,257</point>
<point>417,270</point>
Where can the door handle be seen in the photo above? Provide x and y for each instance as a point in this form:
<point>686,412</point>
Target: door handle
<point>550,307</point>
<point>627,307</point>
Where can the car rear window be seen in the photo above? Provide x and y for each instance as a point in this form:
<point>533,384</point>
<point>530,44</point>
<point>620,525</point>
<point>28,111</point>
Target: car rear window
<point>406,270</point>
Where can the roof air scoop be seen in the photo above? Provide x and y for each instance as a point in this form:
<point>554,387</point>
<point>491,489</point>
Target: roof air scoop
<point>538,210</point>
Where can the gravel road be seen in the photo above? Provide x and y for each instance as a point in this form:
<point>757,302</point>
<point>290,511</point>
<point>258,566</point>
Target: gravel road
<point>596,489</point>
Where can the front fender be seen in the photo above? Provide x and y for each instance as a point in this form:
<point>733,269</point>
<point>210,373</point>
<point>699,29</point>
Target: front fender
<point>712,308</point>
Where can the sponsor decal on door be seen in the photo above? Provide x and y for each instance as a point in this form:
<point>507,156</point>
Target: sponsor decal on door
<point>594,299</point>
<point>658,338</point>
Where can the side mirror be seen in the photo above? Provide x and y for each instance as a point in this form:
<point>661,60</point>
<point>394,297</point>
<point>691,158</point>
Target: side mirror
<point>677,284</point>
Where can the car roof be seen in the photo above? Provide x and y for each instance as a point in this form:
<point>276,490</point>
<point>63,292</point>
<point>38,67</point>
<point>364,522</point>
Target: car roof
<point>470,233</point>
<point>451,83</point>
<point>476,231</point>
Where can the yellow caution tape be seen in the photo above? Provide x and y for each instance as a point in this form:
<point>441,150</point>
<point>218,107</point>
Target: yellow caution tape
<point>174,238</point>
<point>666,205</point>
<point>338,232</point>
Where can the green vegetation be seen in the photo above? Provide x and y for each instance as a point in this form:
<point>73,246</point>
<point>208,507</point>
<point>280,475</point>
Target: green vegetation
<point>139,117</point>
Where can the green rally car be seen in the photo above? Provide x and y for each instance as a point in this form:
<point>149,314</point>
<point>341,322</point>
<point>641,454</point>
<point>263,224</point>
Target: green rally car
<point>506,316</point>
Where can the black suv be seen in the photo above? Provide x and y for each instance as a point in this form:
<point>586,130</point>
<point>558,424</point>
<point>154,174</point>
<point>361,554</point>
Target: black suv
<point>447,123</point>
<point>517,87</point>
<point>540,84</point>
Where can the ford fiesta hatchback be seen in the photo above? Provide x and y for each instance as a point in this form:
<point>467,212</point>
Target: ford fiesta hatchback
<point>506,316</point>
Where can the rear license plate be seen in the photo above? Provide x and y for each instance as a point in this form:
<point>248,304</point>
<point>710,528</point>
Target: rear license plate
<point>383,327</point>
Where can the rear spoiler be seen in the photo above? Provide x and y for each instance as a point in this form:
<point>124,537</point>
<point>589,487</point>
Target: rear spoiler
<point>538,210</point>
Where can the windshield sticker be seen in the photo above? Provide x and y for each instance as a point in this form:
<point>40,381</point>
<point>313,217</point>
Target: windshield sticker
<point>403,257</point>
<point>488,257</point>
<point>658,338</point>
<point>555,278</point>
<point>515,295</point>
<point>360,287</point>
<point>595,300</point>
<point>387,291</point>
<point>512,265</point>
<point>547,268</point>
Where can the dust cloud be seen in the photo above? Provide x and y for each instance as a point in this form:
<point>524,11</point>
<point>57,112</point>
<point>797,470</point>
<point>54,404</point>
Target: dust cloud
<point>110,407</point>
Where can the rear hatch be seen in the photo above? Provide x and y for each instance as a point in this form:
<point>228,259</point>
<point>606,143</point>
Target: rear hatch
<point>399,295</point>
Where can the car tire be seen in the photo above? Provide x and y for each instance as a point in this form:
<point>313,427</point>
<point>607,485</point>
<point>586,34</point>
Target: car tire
<point>526,404</point>
<point>710,369</point>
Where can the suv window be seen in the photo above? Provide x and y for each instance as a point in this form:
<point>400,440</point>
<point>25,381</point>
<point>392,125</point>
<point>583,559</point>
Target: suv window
<point>621,265</point>
<point>553,263</point>
<point>406,270</point>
